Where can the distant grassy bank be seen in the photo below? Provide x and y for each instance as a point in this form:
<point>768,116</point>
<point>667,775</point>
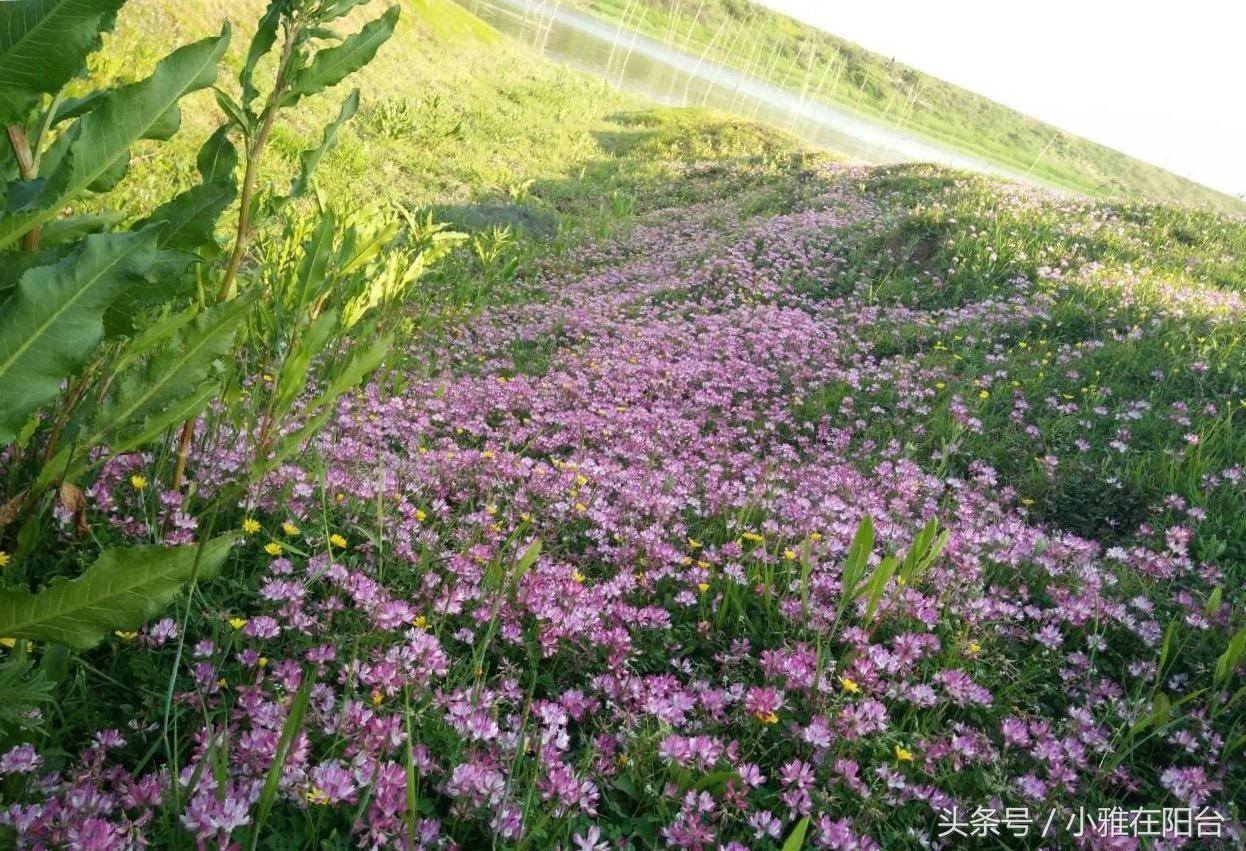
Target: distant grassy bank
<point>744,35</point>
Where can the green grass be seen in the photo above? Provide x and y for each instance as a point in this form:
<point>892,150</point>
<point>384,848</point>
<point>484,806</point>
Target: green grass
<point>802,58</point>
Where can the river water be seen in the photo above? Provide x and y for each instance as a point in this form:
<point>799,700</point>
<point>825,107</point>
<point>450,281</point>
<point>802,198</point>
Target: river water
<point>644,66</point>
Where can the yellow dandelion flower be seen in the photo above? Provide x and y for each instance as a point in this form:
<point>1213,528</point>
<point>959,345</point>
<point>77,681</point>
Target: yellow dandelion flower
<point>126,636</point>
<point>984,394</point>
<point>289,528</point>
<point>378,697</point>
<point>419,622</point>
<point>138,482</point>
<point>237,623</point>
<point>491,510</point>
<point>250,526</point>
<point>420,516</point>
<point>790,555</point>
<point>8,642</point>
<point>577,577</point>
<point>903,754</point>
<point>768,717</point>
<point>336,540</point>
<point>580,508</point>
<point>4,559</point>
<point>315,795</point>
<point>849,685</point>
<point>694,543</point>
<point>703,587</point>
<point>273,548</point>
<point>262,661</point>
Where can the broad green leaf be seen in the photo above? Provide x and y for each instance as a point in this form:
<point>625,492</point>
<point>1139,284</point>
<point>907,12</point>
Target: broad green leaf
<point>1213,602</point>
<point>317,413</point>
<point>121,590</point>
<point>878,585</point>
<point>54,321</point>
<point>73,228</point>
<point>796,839</point>
<point>292,379</point>
<point>289,733</point>
<point>92,147</point>
<point>1232,655</point>
<point>329,67</point>
<point>307,285</point>
<point>190,218</point>
<point>43,44</point>
<point>174,373</point>
<point>336,9</point>
<point>529,557</point>
<point>858,556</point>
<point>261,44</point>
<point>309,159</point>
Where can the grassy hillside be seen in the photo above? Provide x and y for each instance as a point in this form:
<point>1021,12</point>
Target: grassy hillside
<point>788,53</point>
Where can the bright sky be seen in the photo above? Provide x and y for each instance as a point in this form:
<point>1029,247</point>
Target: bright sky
<point>1163,81</point>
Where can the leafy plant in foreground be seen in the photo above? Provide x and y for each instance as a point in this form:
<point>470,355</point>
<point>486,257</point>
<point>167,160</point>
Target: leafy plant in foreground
<point>107,336</point>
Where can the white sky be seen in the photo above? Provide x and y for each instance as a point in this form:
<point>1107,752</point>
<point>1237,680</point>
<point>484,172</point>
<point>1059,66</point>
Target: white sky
<point>1162,81</point>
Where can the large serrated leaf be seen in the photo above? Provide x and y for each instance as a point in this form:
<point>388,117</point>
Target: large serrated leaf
<point>54,321</point>
<point>261,44</point>
<point>190,218</point>
<point>309,159</point>
<point>329,67</point>
<point>44,43</point>
<point>90,150</point>
<point>173,374</point>
<point>121,590</point>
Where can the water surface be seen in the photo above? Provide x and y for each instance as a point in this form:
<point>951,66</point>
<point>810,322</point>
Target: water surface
<point>659,72</point>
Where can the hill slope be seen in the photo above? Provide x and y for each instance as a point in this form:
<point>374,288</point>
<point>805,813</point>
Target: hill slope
<point>744,35</point>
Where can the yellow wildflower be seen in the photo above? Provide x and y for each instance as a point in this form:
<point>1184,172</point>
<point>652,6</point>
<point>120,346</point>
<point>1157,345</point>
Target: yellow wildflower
<point>903,754</point>
<point>4,559</point>
<point>336,540</point>
<point>703,587</point>
<point>694,543</point>
<point>984,394</point>
<point>790,555</point>
<point>237,623</point>
<point>419,622</point>
<point>580,508</point>
<point>126,636</point>
<point>420,516</point>
<point>768,717</point>
<point>577,577</point>
<point>250,526</point>
<point>273,548</point>
<point>315,795</point>
<point>138,482</point>
<point>378,697</point>
<point>289,528</point>
<point>849,685</point>
<point>262,661</point>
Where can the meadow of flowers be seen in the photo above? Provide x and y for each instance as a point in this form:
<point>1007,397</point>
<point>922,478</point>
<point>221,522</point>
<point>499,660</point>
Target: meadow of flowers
<point>793,518</point>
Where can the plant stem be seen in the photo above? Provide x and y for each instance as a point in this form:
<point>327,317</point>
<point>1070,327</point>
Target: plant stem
<point>255,152</point>
<point>28,169</point>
